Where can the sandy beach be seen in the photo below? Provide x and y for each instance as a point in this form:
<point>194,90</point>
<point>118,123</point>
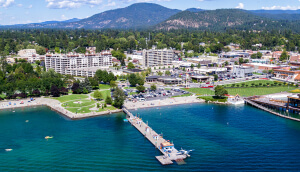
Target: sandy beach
<point>55,105</point>
<point>163,102</point>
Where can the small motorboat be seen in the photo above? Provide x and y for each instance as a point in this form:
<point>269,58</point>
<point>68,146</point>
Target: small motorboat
<point>8,150</point>
<point>125,120</point>
<point>48,137</point>
<point>27,121</point>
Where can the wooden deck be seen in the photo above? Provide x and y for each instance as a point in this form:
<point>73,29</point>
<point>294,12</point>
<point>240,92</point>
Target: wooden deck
<point>150,134</point>
<point>255,104</point>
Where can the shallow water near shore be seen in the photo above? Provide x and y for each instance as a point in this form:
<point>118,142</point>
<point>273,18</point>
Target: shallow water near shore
<point>225,138</point>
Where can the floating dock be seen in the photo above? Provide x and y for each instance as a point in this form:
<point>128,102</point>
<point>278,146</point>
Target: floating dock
<point>168,156</point>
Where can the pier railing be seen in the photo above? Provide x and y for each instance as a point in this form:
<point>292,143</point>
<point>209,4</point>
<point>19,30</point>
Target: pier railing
<point>249,101</point>
<point>155,139</point>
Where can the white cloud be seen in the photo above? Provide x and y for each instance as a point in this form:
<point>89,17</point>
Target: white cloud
<point>282,7</point>
<point>20,5</point>
<point>6,3</point>
<point>240,6</point>
<point>71,3</point>
<point>30,6</point>
<point>111,4</point>
<point>63,17</point>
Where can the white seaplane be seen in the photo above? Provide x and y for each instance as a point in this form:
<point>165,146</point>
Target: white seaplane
<point>184,152</point>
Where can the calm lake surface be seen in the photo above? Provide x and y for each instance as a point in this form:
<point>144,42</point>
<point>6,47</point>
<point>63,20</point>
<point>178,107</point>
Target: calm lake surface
<point>225,138</point>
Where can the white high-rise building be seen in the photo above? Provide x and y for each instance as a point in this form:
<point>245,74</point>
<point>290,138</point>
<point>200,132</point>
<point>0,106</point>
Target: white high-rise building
<point>154,57</point>
<point>63,63</point>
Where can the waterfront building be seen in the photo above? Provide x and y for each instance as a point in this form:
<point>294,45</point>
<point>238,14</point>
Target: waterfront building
<point>65,63</point>
<point>158,57</point>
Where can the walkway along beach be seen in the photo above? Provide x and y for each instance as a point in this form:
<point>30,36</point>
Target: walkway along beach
<point>54,105</point>
<point>163,102</point>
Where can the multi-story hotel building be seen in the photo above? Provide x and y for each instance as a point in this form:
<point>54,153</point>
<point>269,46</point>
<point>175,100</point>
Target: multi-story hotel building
<point>63,63</point>
<point>154,57</point>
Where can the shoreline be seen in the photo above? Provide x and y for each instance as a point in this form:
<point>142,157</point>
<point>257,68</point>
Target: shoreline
<point>53,105</point>
<point>163,102</point>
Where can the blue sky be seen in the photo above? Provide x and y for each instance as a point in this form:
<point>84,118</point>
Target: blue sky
<point>29,11</point>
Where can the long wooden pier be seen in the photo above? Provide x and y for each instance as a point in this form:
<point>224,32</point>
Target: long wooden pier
<point>155,139</point>
<point>248,101</point>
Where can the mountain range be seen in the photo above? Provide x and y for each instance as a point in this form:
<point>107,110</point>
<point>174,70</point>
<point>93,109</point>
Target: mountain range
<point>154,16</point>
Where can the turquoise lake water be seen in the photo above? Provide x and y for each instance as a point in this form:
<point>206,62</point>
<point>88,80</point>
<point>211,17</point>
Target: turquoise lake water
<point>225,138</point>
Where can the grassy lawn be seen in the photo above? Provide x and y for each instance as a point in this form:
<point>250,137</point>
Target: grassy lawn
<point>133,93</point>
<point>104,94</point>
<point>2,96</point>
<point>212,99</point>
<point>67,98</point>
<point>200,91</point>
<point>81,110</point>
<point>250,91</point>
<point>104,87</point>
<point>255,82</point>
<point>111,108</point>
<point>184,95</point>
<point>83,103</point>
<point>129,87</point>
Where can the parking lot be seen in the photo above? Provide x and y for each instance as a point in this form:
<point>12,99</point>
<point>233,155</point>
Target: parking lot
<point>153,95</point>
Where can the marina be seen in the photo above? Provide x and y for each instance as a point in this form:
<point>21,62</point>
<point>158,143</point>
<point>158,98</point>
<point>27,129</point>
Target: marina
<point>266,105</point>
<point>169,152</point>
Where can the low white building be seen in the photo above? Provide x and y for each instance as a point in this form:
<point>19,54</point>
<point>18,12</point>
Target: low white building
<point>242,71</point>
<point>211,70</point>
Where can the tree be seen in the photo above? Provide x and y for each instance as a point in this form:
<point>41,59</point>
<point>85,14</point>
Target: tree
<point>108,100</point>
<point>119,97</point>
<point>207,50</point>
<point>36,93</point>
<point>38,62</point>
<point>132,79</point>
<point>75,88</point>
<point>130,65</point>
<point>241,61</point>
<point>159,73</point>
<point>220,91</point>
<point>97,95</point>
<point>226,63</point>
<point>257,55</point>
<point>284,56</point>
<point>113,84</point>
<point>63,91</point>
<point>57,50</point>
<point>168,73</point>
<point>153,87</point>
<point>216,77</point>
<point>54,91</point>
<point>85,85</point>
<point>94,83</point>
<point>140,88</point>
<point>40,50</point>
<point>192,66</point>
<point>198,65</point>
